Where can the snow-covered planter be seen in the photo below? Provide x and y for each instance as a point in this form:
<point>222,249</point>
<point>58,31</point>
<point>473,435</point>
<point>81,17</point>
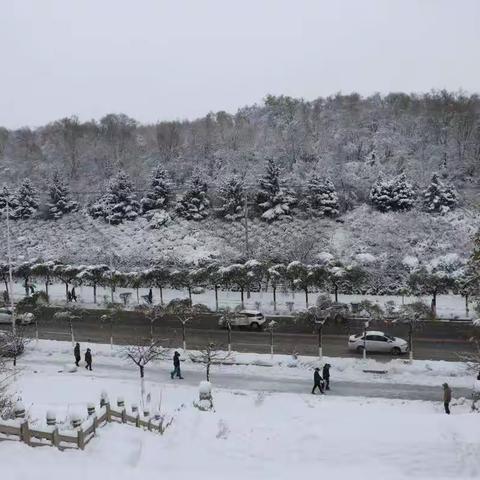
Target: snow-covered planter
<point>75,420</point>
<point>104,399</point>
<point>19,410</point>
<point>120,402</point>
<point>205,396</point>
<point>51,418</point>
<point>91,409</point>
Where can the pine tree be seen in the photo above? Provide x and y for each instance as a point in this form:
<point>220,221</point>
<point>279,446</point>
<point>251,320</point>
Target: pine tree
<point>273,200</point>
<point>439,197</point>
<point>194,205</point>
<point>322,198</point>
<point>392,195</point>
<point>158,198</point>
<point>232,198</point>
<point>6,195</point>
<point>60,200</point>
<point>24,201</point>
<point>118,203</point>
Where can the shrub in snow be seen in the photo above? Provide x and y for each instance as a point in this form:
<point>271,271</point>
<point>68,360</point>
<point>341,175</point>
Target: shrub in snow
<point>195,205</point>
<point>232,199</point>
<point>19,410</point>
<point>273,200</point>
<point>205,396</point>
<point>158,198</point>
<point>439,197</point>
<point>118,203</point>
<point>60,201</point>
<point>25,202</point>
<point>322,198</point>
<point>158,219</point>
<point>392,195</point>
<point>6,197</point>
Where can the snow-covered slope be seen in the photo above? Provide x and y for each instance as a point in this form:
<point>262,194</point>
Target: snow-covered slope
<point>77,237</point>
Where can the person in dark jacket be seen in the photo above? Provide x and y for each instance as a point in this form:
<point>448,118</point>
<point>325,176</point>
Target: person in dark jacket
<point>176,366</point>
<point>447,397</point>
<point>88,359</point>
<point>76,353</point>
<point>317,381</point>
<point>326,375</point>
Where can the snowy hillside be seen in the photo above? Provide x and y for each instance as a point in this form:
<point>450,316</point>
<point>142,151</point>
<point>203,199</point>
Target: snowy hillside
<point>78,237</point>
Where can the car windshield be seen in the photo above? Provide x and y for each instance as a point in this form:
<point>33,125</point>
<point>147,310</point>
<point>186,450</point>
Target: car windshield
<point>390,337</point>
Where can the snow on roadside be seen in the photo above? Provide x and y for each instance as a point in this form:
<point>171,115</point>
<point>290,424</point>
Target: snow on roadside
<point>419,372</point>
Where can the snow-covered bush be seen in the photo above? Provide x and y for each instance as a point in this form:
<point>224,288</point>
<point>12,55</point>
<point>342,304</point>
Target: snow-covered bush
<point>60,201</point>
<point>232,198</point>
<point>439,197</point>
<point>159,219</point>
<point>119,203</point>
<point>158,198</point>
<point>322,198</point>
<point>25,201</point>
<point>273,200</point>
<point>195,205</point>
<point>395,194</point>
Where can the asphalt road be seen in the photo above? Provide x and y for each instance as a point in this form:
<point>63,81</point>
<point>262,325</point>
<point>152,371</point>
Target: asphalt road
<point>242,340</point>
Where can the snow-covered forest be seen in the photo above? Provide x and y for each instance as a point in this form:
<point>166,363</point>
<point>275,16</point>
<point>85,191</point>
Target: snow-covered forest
<point>384,177</point>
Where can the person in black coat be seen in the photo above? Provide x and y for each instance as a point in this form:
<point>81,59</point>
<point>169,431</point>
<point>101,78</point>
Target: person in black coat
<point>88,359</point>
<point>317,381</point>
<point>76,353</point>
<point>326,375</point>
<point>176,366</point>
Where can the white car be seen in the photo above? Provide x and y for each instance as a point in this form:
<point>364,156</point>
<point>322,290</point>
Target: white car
<point>22,319</point>
<point>378,342</point>
<point>245,318</point>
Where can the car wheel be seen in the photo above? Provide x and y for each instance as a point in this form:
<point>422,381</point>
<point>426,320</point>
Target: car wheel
<point>359,349</point>
<point>255,325</point>
<point>396,351</point>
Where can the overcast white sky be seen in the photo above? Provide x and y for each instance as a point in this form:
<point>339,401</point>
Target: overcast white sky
<point>156,60</point>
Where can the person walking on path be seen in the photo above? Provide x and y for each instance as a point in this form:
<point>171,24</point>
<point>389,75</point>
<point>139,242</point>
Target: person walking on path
<point>176,366</point>
<point>317,381</point>
<point>88,359</point>
<point>76,353</point>
<point>326,375</point>
<point>447,397</point>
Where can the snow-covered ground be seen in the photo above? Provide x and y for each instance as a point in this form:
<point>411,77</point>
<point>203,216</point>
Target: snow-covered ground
<point>253,435</point>
<point>448,306</point>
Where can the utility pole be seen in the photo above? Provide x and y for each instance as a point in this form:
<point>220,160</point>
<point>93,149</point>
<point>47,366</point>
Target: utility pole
<point>246,223</point>
<point>10,276</point>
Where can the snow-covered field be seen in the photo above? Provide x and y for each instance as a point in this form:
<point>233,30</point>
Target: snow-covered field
<point>250,434</point>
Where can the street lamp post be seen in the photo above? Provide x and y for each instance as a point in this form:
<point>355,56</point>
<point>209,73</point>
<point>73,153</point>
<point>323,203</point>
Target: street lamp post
<point>10,276</point>
<point>366,324</point>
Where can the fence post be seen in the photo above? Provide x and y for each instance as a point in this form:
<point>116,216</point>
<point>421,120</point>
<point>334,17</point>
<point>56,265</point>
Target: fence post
<point>55,440</point>
<point>25,432</point>
<point>124,416</point>
<point>95,424</point>
<point>137,420</point>
<point>109,413</point>
<point>149,424</point>
<point>81,439</point>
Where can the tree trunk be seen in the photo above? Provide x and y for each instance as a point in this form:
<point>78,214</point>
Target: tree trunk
<point>66,290</point>
<point>95,293</point>
<point>410,341</point>
<point>138,296</point>
<point>46,288</point>
<point>161,295</point>
<point>434,304</point>
<point>142,371</point>
<point>216,298</point>
<point>336,294</point>
<point>112,289</point>
<point>306,297</point>
<point>184,337</point>
<point>274,299</point>
<point>190,295</point>
<point>320,347</point>
<point>208,371</point>
<point>467,308</point>
<point>242,297</point>
<point>229,338</point>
